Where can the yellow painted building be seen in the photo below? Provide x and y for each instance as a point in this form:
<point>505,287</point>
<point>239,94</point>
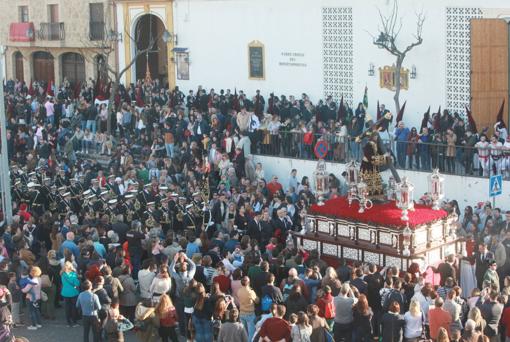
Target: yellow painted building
<point>54,39</point>
<point>141,22</point>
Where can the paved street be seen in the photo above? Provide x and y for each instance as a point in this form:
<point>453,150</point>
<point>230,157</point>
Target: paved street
<point>57,330</point>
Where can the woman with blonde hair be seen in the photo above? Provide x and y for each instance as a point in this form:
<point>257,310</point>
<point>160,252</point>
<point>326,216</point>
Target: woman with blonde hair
<point>70,291</point>
<point>414,318</point>
<point>168,319</point>
<point>331,279</point>
<point>476,315</point>
<point>32,289</point>
<point>442,335</point>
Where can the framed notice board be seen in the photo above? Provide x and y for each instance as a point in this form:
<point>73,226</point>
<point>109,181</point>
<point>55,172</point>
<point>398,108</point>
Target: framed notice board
<point>256,61</point>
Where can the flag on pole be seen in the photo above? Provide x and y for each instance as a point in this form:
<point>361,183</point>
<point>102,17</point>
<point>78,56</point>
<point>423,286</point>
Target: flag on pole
<point>235,102</point>
<point>365,98</point>
<point>471,121</point>
<point>426,118</point>
<point>340,115</point>
<point>435,123</point>
<point>49,89</point>
<point>77,89</point>
<point>500,115</point>
<point>31,91</point>
<point>400,114</point>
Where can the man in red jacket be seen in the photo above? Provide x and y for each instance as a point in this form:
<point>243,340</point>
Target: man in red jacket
<point>274,186</point>
<point>276,328</point>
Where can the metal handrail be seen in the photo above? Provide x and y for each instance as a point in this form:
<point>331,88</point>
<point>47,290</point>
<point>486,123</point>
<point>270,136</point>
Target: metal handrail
<point>460,159</point>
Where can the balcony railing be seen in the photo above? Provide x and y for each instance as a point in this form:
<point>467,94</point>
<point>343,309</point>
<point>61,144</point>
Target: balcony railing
<point>51,31</point>
<point>96,30</point>
<point>460,160</point>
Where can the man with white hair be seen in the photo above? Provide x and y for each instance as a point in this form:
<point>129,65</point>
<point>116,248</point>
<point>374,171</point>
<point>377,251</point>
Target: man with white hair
<point>119,187</point>
<point>470,333</point>
<point>69,244</point>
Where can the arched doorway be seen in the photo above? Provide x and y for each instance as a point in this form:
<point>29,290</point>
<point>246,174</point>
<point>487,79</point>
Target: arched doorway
<point>18,66</point>
<point>43,66</point>
<point>147,28</point>
<point>73,67</point>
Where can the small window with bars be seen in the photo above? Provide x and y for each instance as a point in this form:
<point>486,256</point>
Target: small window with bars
<point>23,14</point>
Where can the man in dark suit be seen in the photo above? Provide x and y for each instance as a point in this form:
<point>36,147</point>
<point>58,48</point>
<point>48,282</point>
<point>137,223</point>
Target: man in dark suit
<point>219,211</point>
<point>255,228</point>
<point>200,128</point>
<point>482,257</point>
<point>267,229</point>
<point>282,224</point>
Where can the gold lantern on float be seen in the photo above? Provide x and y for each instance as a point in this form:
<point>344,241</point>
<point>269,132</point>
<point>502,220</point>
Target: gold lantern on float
<point>321,181</point>
<point>405,198</point>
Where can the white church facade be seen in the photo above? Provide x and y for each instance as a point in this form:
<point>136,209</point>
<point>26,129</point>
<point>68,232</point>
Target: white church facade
<point>325,47</point>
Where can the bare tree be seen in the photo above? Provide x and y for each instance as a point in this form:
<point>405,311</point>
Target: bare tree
<point>106,47</point>
<point>387,39</point>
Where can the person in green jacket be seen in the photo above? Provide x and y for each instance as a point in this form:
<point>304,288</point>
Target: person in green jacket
<point>70,291</point>
<point>491,276</point>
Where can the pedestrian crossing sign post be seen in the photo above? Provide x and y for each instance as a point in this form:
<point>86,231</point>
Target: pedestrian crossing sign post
<point>495,185</point>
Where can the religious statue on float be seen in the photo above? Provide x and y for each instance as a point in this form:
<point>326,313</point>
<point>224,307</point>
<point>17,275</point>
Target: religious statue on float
<point>375,159</point>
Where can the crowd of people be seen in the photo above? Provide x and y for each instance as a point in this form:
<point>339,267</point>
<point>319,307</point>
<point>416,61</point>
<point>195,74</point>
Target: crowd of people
<point>177,234</point>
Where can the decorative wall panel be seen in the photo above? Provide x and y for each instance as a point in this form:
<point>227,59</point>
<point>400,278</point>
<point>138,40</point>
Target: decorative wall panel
<point>458,56</point>
<point>337,53</point>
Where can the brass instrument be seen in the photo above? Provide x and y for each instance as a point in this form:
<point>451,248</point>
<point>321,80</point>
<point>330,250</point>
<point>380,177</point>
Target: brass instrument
<point>180,215</point>
<point>150,222</point>
<point>137,204</point>
<point>205,194</point>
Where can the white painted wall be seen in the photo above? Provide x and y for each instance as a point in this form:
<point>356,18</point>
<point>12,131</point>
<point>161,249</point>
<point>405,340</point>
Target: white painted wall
<point>466,190</point>
<point>217,33</point>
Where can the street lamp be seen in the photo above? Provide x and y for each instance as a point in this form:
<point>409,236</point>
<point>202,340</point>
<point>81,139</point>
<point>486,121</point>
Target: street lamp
<point>115,36</point>
<point>4,157</point>
<point>169,37</point>
<point>382,40</point>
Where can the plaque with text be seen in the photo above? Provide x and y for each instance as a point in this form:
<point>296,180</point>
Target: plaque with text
<point>256,62</point>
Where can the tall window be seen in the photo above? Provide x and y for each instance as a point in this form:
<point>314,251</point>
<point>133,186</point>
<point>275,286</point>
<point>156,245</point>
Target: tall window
<point>23,14</point>
<point>96,23</point>
<point>53,13</point>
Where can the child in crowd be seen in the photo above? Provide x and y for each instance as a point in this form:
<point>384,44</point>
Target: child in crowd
<point>16,296</point>
<point>26,280</point>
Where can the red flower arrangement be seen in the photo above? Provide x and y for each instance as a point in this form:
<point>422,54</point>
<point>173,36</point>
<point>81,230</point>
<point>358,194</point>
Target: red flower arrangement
<point>384,214</point>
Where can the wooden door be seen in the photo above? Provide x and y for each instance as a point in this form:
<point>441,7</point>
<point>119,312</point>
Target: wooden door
<point>73,67</point>
<point>43,67</point>
<point>489,70</point>
<point>18,66</point>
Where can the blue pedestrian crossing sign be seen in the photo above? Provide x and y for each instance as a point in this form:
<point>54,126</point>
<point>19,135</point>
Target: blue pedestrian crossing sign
<point>495,185</point>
